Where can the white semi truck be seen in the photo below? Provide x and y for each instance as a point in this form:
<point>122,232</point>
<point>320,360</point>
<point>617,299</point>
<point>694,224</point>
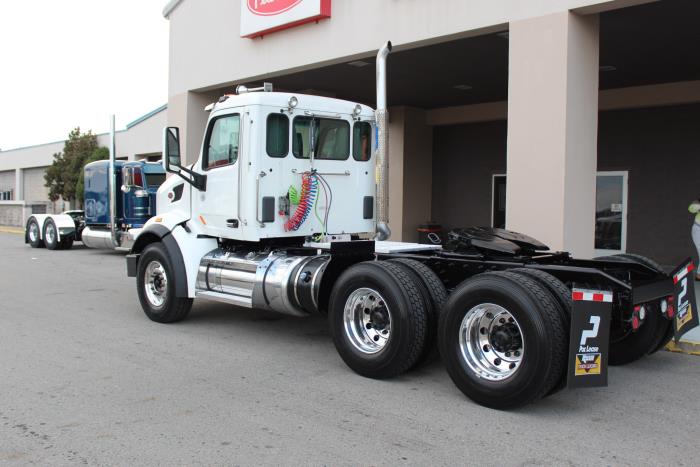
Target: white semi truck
<point>286,209</point>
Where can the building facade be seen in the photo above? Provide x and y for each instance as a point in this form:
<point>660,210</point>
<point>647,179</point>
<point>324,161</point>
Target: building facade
<point>22,170</point>
<point>574,121</point>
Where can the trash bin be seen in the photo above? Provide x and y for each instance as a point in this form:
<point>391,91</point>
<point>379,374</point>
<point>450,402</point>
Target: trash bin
<point>430,233</point>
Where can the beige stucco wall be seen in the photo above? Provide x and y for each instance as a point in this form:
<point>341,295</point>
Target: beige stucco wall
<point>206,49</point>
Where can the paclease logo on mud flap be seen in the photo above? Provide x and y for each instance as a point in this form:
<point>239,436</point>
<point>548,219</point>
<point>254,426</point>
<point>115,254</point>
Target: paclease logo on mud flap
<point>271,7</point>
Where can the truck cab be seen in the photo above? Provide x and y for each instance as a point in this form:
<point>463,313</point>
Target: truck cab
<point>135,201</point>
<point>277,165</point>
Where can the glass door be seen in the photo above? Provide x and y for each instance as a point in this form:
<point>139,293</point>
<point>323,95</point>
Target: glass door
<point>611,213</point>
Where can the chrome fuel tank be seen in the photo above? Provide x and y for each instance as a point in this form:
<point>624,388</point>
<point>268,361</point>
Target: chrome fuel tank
<point>275,281</point>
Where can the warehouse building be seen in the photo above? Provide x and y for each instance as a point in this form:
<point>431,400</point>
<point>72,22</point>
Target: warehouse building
<point>574,121</point>
<point>22,170</point>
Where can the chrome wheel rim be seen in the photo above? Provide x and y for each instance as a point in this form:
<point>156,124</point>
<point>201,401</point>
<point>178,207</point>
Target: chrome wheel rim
<point>33,232</point>
<point>50,233</point>
<point>491,342</point>
<point>367,320</point>
<point>156,284</point>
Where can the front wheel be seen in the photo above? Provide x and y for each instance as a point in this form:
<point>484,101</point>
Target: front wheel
<point>155,284</point>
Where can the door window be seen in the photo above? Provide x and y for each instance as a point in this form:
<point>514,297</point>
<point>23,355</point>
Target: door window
<point>610,211</point>
<point>222,143</point>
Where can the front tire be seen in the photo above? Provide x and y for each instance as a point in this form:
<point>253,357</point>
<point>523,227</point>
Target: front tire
<point>378,319</point>
<point>502,339</point>
<point>155,284</point>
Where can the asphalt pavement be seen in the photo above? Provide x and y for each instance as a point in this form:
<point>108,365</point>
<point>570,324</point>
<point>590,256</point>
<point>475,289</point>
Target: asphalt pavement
<point>86,378</point>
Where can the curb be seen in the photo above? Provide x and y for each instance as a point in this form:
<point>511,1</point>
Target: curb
<point>11,230</point>
<point>686,347</point>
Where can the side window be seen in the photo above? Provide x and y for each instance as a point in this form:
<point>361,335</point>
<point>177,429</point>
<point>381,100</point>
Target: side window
<point>221,147</point>
<point>277,135</point>
<point>361,141</point>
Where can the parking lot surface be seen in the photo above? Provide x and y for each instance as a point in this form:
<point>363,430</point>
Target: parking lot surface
<point>86,378</point>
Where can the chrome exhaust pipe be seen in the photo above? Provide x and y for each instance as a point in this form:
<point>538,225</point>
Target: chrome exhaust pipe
<point>382,154</point>
<point>112,186</point>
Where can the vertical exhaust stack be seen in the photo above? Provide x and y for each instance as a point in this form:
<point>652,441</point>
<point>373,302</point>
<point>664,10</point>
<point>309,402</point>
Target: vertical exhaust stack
<point>382,154</point>
<point>112,186</point>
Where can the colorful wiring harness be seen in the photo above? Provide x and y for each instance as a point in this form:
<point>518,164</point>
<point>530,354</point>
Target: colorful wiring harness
<point>309,199</point>
<point>304,200</point>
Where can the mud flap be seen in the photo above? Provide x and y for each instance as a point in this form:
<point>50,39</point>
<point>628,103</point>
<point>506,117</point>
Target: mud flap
<point>589,338</point>
<point>684,292</point>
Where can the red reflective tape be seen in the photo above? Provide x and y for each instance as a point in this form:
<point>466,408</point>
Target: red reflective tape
<point>683,272</point>
<point>591,295</point>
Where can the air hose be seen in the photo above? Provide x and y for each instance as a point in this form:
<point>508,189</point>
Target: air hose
<point>304,201</point>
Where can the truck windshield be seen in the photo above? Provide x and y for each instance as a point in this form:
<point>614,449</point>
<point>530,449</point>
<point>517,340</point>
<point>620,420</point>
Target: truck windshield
<point>332,138</point>
<point>154,180</point>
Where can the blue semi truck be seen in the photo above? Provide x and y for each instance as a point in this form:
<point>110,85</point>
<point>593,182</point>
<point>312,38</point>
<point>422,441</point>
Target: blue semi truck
<point>112,217</point>
<point>134,203</point>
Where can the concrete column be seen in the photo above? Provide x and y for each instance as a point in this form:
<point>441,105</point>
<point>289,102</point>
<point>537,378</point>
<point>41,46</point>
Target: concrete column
<point>396,165</point>
<point>552,130</point>
<point>19,185</point>
<point>410,172</point>
<point>186,111</point>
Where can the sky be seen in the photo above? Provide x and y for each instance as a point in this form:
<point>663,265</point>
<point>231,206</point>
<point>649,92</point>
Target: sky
<point>73,63</point>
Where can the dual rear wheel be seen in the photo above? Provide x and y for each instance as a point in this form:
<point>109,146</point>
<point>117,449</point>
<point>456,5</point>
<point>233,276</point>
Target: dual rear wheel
<point>49,238</point>
<point>502,335</point>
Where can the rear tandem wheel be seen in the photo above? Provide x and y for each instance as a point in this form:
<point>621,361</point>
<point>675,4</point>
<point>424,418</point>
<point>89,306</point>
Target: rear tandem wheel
<point>503,340</point>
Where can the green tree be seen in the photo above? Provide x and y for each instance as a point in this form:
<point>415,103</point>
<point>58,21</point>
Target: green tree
<point>63,174</point>
<point>98,154</point>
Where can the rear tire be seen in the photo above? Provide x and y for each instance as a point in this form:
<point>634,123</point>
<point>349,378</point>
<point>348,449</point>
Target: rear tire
<point>51,235</point>
<point>655,331</point>
<point>34,234</point>
<point>563,296</point>
<point>436,298</point>
<point>378,319</point>
<point>155,285</point>
<point>502,339</point>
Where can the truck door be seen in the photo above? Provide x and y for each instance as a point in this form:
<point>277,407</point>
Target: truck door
<point>216,207</point>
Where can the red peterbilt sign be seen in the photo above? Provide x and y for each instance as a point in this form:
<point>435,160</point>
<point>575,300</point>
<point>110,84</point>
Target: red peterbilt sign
<point>271,7</point>
<point>260,17</point>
